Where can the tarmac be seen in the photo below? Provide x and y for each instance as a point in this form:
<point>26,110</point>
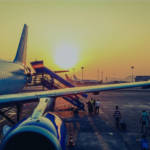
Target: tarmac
<point>98,132</point>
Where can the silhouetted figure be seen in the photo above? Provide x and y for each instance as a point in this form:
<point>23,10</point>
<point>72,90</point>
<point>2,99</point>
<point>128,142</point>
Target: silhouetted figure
<point>93,105</point>
<point>144,122</point>
<point>117,117</point>
<point>90,107</point>
<point>97,106</point>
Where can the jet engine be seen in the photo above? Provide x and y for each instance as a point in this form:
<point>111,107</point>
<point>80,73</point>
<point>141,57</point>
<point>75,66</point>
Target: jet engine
<point>46,132</point>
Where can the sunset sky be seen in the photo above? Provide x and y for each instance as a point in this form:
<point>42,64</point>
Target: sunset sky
<point>109,35</point>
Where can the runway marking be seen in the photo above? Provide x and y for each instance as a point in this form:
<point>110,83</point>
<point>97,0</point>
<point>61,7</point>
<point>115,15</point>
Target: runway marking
<point>99,137</point>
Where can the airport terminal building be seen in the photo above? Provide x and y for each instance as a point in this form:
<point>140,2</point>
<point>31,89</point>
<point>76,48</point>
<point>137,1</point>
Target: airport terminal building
<point>142,78</point>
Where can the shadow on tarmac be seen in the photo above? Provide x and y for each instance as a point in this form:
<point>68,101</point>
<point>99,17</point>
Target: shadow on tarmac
<point>92,132</point>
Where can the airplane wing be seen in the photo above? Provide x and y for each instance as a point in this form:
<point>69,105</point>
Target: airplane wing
<point>11,99</point>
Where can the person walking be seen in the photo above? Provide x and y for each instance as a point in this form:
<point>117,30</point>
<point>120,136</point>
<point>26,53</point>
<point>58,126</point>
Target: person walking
<point>144,122</point>
<point>92,101</point>
<point>90,107</point>
<point>97,106</point>
<point>117,116</point>
<point>93,104</point>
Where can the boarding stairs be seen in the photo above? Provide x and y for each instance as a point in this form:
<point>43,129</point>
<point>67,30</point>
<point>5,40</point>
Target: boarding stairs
<point>47,80</point>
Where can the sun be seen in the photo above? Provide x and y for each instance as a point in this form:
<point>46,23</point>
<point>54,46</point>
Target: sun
<point>66,56</point>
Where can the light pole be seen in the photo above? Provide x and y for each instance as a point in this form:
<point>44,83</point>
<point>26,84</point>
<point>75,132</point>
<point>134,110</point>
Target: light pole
<point>102,76</point>
<point>98,74</point>
<point>132,68</point>
<point>82,71</point>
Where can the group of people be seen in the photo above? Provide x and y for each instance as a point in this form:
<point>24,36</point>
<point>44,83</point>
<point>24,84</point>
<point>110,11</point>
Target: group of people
<point>144,124</point>
<point>93,106</point>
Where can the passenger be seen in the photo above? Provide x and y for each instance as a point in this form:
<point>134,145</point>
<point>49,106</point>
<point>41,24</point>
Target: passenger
<point>144,143</point>
<point>144,122</point>
<point>117,117</point>
<point>97,106</point>
<point>92,105</point>
<point>90,108</point>
<point>94,108</point>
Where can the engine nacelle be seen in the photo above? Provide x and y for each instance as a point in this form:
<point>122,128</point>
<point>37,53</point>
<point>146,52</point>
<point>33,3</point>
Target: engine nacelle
<point>45,133</point>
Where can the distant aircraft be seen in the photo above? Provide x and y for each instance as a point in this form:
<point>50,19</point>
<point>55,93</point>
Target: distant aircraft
<point>42,130</point>
<point>77,81</point>
<point>14,75</point>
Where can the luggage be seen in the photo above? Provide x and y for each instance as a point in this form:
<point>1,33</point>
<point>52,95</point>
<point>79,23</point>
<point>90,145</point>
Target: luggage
<point>123,126</point>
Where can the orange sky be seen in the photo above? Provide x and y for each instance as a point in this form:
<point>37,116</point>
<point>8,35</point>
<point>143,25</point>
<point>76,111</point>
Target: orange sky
<point>108,35</point>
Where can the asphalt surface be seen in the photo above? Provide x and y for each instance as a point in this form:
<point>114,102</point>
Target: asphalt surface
<point>98,132</point>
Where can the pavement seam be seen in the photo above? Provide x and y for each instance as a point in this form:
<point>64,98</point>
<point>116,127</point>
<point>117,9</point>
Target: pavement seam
<point>100,138</point>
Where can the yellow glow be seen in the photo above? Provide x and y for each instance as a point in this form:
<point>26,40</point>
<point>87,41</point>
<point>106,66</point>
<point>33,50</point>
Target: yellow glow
<point>66,56</point>
<point>109,36</point>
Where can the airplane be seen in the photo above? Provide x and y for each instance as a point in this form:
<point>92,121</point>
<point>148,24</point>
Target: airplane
<point>79,82</point>
<point>15,75</point>
<point>45,130</point>
<point>42,130</point>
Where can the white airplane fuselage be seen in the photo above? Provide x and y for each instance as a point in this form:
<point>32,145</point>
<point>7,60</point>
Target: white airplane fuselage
<point>12,77</point>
